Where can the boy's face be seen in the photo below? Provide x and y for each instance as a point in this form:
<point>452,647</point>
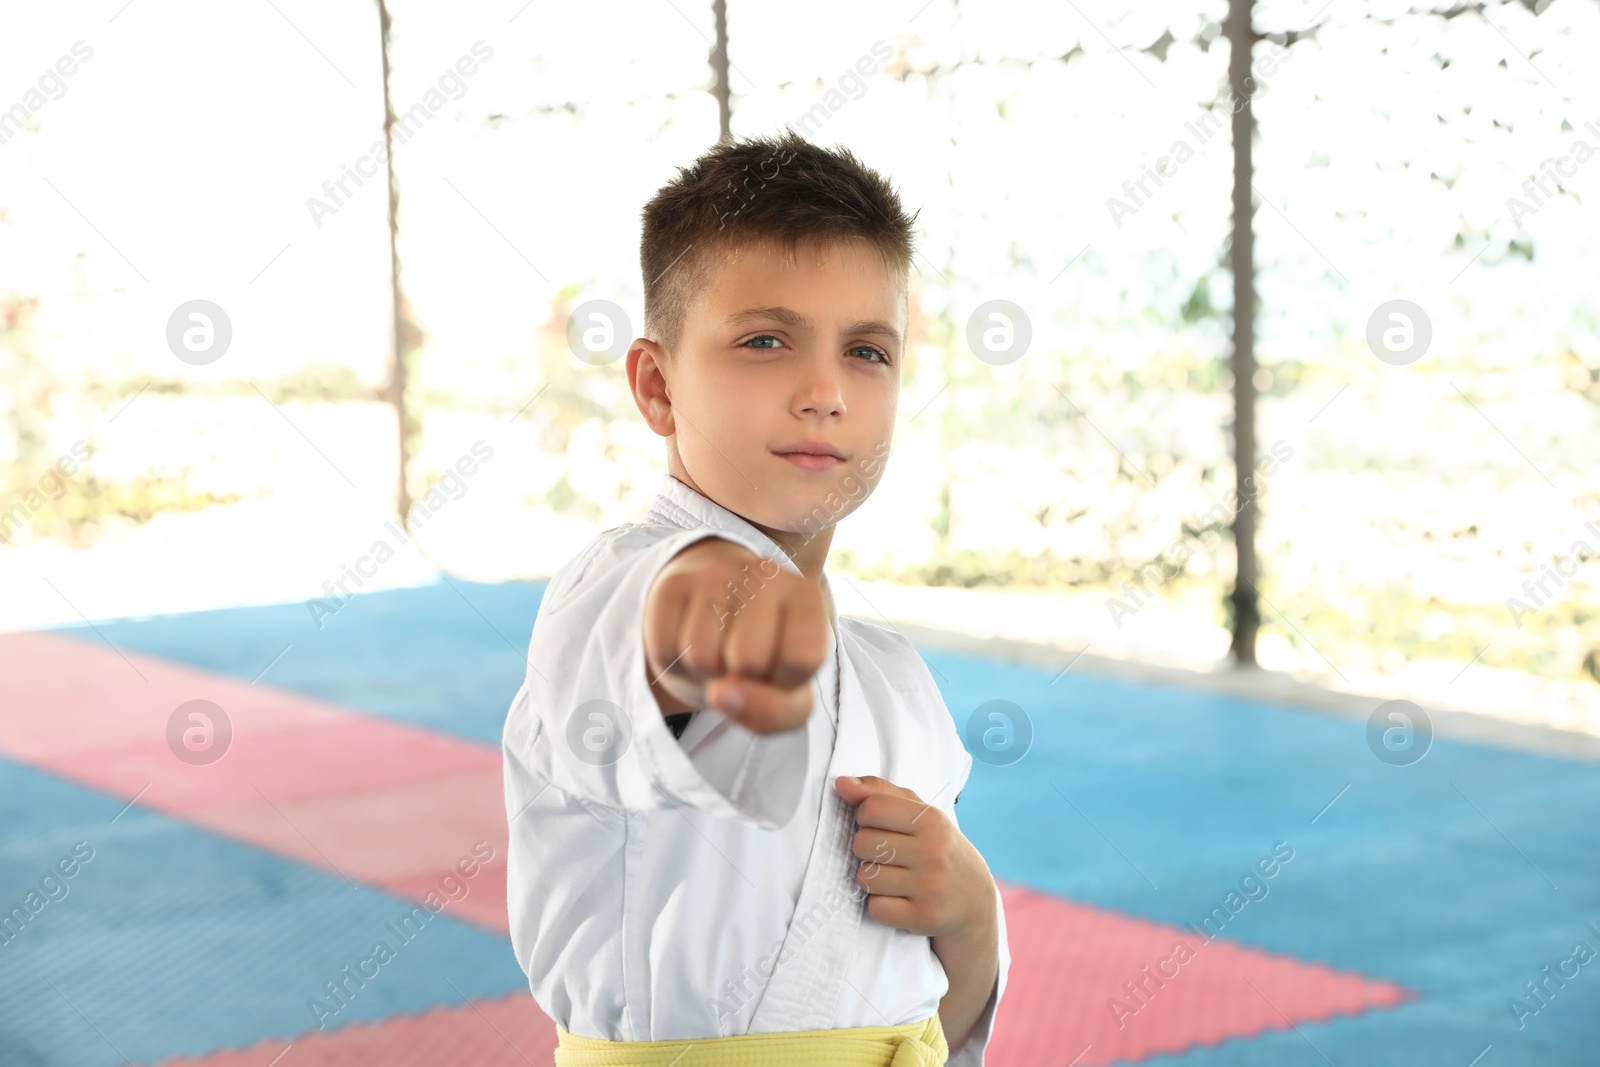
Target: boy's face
<point>774,354</point>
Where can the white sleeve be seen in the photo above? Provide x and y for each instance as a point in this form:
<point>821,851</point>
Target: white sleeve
<point>585,718</point>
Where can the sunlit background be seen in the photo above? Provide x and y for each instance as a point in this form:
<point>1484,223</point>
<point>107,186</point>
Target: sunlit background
<point>1427,423</point>
<point>180,159</point>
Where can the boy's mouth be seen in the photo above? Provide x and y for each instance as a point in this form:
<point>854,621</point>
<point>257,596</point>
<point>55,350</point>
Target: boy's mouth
<point>811,455</point>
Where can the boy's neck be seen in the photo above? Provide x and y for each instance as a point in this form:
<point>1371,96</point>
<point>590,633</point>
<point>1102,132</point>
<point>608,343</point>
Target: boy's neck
<point>808,551</point>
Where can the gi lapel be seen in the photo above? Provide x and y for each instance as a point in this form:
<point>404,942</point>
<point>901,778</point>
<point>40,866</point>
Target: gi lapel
<point>804,989</point>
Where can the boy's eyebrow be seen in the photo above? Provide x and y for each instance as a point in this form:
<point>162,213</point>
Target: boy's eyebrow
<point>881,329</point>
<point>790,317</point>
<point>784,315</point>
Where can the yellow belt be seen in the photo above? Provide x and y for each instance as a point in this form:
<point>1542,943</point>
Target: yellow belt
<point>912,1045</point>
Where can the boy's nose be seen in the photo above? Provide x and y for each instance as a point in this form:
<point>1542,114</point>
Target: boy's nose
<point>819,392</point>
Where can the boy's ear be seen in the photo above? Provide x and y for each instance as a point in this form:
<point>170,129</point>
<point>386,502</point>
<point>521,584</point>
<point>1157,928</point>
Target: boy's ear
<point>647,363</point>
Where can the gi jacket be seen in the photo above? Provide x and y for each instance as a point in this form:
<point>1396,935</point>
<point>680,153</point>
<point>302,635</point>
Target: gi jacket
<point>664,888</point>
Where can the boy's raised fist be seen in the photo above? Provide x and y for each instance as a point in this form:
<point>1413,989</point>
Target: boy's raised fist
<point>704,644</point>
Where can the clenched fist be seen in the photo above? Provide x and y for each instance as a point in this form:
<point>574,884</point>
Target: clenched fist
<point>751,655</point>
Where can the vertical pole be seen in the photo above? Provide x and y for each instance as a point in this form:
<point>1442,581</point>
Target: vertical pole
<point>1246,611</point>
<point>719,71</point>
<point>403,328</point>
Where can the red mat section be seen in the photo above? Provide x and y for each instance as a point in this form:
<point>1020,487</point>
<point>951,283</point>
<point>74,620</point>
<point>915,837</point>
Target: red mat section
<point>512,1032</point>
<point>382,803</point>
<point>1070,962</point>
<point>397,807</point>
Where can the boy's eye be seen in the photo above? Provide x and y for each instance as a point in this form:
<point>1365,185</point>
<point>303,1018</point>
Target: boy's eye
<point>871,352</point>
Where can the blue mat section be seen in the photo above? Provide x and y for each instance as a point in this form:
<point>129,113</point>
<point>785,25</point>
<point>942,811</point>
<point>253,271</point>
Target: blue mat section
<point>1459,876</point>
<point>448,656</point>
<point>1154,801</point>
<point>175,941</point>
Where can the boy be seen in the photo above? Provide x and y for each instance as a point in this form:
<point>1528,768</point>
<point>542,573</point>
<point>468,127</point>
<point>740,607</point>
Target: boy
<point>685,877</point>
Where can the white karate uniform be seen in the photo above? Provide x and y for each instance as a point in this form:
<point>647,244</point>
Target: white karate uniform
<point>704,886</point>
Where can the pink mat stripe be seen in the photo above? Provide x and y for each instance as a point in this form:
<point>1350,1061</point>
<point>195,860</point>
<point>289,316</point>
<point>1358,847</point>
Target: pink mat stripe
<point>1069,961</point>
<point>381,803</point>
<point>510,1032</point>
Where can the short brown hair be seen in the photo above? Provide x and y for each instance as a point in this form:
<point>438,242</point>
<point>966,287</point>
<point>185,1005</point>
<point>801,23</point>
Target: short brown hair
<point>754,189</point>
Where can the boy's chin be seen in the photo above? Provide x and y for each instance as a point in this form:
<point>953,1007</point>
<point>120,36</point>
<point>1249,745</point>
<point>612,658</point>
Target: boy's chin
<point>805,510</point>
<point>798,503</point>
